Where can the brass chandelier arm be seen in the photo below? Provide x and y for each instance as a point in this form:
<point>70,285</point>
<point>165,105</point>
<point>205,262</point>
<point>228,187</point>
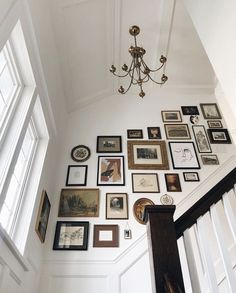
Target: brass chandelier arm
<point>161,82</point>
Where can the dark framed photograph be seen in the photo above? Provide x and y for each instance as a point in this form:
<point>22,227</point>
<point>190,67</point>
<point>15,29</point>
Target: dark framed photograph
<point>183,155</point>
<point>71,236</point>
<point>190,110</point>
<point>80,153</point>
<point>110,170</point>
<point>127,234</point>
<point>79,202</point>
<point>219,136</point>
<point>138,209</point>
<point>135,133</point>
<point>116,206</point>
<point>191,176</point>
<point>154,132</point>
<point>109,144</point>
<point>106,236</point>
<point>76,175</point>
<point>43,216</point>
<point>147,155</point>
<point>201,139</point>
<point>145,182</point>
<point>210,160</point>
<point>215,124</point>
<point>210,111</point>
<point>177,131</point>
<point>171,116</point>
<point>173,182</point>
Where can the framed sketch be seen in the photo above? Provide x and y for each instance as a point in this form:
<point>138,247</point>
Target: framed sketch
<point>177,131</point>
<point>109,144</point>
<point>210,160</point>
<point>210,111</point>
<point>154,132</point>
<point>76,175</point>
<point>215,124</point>
<point>145,182</point>
<point>201,139</point>
<point>147,155</point>
<point>106,236</point>
<point>43,216</point>
<point>183,155</point>
<point>116,206</point>
<point>191,176</point>
<point>79,203</point>
<point>135,133</point>
<point>80,153</point>
<point>173,182</point>
<point>189,110</point>
<point>138,209</point>
<point>71,236</point>
<point>171,116</point>
<point>110,170</point>
<point>219,135</point>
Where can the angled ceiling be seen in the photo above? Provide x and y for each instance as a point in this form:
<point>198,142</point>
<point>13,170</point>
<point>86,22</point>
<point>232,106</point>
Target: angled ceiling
<point>93,34</point>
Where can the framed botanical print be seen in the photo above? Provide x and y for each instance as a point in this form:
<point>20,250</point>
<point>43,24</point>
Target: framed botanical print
<point>210,160</point>
<point>201,139</point>
<point>109,144</point>
<point>134,133</point>
<point>219,136</point>
<point>177,131</point>
<point>147,155</point>
<point>106,236</point>
<point>110,170</point>
<point>76,175</point>
<point>210,111</point>
<point>116,206</point>
<point>171,116</point>
<point>183,155</point>
<point>172,182</point>
<point>145,183</point>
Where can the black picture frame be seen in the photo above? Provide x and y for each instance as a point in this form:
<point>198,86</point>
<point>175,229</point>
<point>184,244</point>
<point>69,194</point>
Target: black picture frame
<point>189,110</point>
<point>173,182</point>
<point>154,132</point>
<point>71,235</point>
<point>201,139</point>
<point>219,136</point>
<point>134,133</point>
<point>191,176</point>
<point>210,160</point>
<point>76,175</point>
<point>109,144</point>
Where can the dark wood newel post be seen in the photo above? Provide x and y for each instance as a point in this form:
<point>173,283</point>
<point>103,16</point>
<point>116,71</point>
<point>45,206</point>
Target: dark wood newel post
<point>163,250</point>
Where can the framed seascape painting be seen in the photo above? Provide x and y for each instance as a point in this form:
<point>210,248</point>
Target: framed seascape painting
<point>210,111</point>
<point>145,182</point>
<point>147,155</point>
<point>109,144</point>
<point>106,236</point>
<point>219,136</point>
<point>135,133</point>
<point>116,206</point>
<point>172,182</point>
<point>43,216</point>
<point>79,202</point>
<point>183,155</point>
<point>154,132</point>
<point>177,131</point>
<point>71,236</point>
<point>110,170</point>
<point>171,116</point>
<point>76,175</point>
<point>201,139</point>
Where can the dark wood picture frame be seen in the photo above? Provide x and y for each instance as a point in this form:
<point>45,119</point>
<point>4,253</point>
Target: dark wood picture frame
<point>134,133</point>
<point>171,116</point>
<point>219,136</point>
<point>173,182</point>
<point>189,110</point>
<point>109,144</point>
<point>106,236</point>
<point>76,175</point>
<point>210,160</point>
<point>154,132</point>
<point>177,131</point>
<point>210,111</point>
<point>117,206</point>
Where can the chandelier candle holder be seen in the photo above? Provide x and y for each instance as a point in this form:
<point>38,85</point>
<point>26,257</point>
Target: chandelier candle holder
<point>138,71</point>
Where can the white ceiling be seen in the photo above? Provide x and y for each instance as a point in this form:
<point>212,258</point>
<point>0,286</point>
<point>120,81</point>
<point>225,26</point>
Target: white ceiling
<point>93,34</point>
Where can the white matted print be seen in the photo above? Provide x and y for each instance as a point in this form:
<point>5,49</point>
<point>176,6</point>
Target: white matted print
<point>76,175</point>
<point>145,182</point>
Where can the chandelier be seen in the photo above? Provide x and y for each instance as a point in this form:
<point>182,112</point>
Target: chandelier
<point>138,71</point>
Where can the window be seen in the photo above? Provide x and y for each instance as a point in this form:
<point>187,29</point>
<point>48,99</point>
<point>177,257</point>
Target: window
<point>23,139</point>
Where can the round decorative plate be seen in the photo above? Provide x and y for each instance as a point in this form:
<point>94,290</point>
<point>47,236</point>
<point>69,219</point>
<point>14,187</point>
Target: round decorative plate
<point>80,153</point>
<point>166,199</point>
<point>138,209</point>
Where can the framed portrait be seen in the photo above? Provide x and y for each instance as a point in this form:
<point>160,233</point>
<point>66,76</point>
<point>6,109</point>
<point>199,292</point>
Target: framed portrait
<point>116,206</point>
<point>138,209</point>
<point>80,153</point>
<point>177,131</point>
<point>154,132</point>
<point>171,116</point>
<point>215,124</point>
<point>145,182</point>
<point>183,155</point>
<point>201,139</point>
<point>76,175</point>
<point>191,176</point>
<point>147,155</point>
<point>219,135</point>
<point>110,170</point>
<point>71,236</point>
<point>210,111</point>
<point>190,110</point>
<point>79,202</point>
<point>135,133</point>
<point>210,160</point>
<point>43,216</point>
<point>109,144</point>
<point>106,236</point>
<point>173,182</point>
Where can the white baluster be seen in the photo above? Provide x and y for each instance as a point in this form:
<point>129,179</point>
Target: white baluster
<point>229,201</point>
